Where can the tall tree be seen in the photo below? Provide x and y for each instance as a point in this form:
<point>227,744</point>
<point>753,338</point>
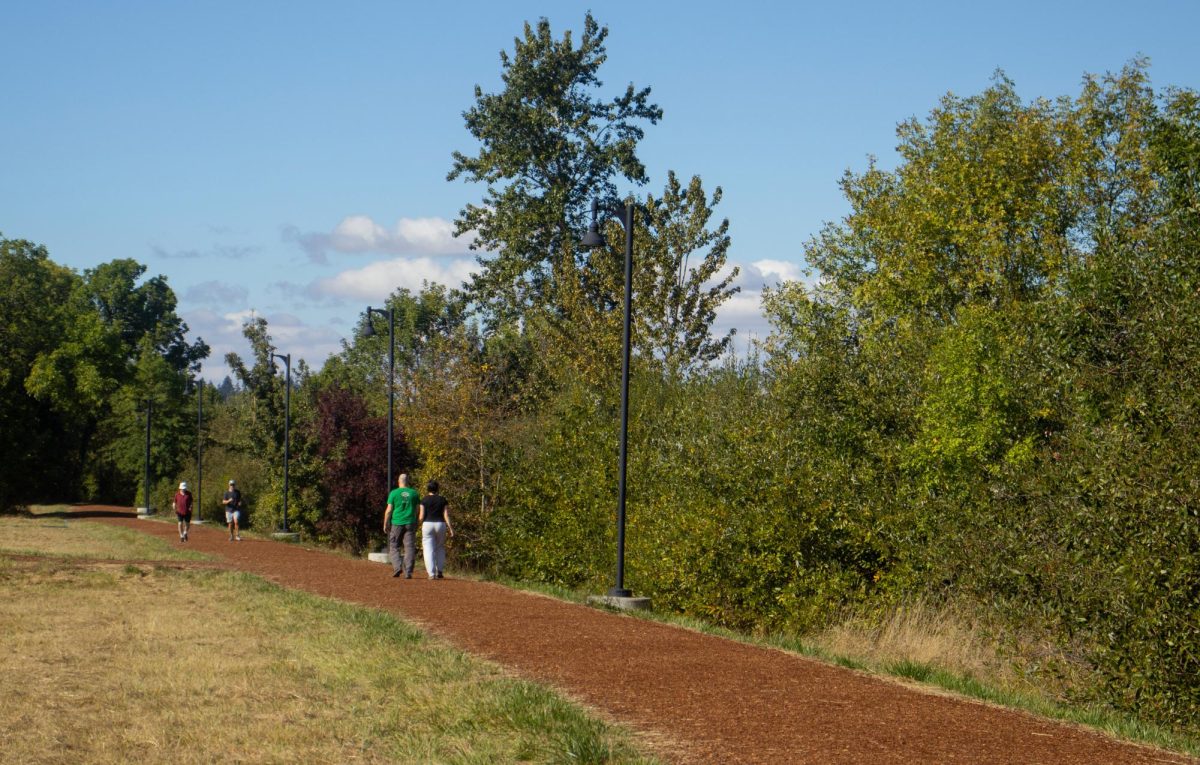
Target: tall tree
<point>91,336</point>
<point>548,145</point>
<point>261,421</point>
<point>678,280</point>
<point>420,318</point>
<point>35,312</point>
<point>262,385</point>
<point>122,432</point>
<point>135,311</point>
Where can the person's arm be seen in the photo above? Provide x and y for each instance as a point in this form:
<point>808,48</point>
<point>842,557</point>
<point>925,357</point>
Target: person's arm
<point>387,517</point>
<point>421,513</point>
<point>449,526</point>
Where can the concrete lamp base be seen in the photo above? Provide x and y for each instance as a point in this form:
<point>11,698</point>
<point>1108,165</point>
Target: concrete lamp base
<point>620,603</point>
<point>145,512</point>
<point>286,536</point>
<point>378,557</point>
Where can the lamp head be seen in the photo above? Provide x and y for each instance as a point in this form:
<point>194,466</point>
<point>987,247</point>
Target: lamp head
<point>369,329</point>
<point>593,237</point>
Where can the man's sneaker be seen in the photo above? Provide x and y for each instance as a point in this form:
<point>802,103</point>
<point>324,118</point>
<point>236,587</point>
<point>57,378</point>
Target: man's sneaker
<point>395,574</point>
<point>230,537</point>
<point>440,576</point>
<point>239,537</point>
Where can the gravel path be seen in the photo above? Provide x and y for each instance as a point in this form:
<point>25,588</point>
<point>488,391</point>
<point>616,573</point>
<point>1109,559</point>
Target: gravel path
<point>695,698</point>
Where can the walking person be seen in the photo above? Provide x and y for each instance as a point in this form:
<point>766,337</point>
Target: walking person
<point>435,523</point>
<point>400,525</point>
<point>183,510</point>
<point>233,511</point>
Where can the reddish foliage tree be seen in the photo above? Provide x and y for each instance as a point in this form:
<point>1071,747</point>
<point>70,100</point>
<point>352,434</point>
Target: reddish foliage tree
<point>352,447</point>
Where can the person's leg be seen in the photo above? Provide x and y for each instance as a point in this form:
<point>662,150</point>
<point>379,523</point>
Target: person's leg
<point>394,534</point>
<point>229,524</point>
<point>427,545</point>
<point>440,544</point>
<point>179,519</point>
<point>237,532</point>
<point>410,548</point>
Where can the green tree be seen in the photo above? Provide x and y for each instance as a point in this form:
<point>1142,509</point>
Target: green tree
<point>35,311</point>
<point>172,433</point>
<point>1001,344</point>
<point>678,286</point>
<point>420,318</point>
<point>76,343</point>
<point>136,311</point>
<point>548,146</point>
<point>250,433</point>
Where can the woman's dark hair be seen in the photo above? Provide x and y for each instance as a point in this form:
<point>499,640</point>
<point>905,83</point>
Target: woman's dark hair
<point>431,487</point>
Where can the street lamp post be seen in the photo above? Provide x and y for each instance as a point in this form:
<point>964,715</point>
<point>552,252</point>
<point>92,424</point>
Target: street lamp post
<point>199,450</point>
<point>146,493</point>
<point>594,238</point>
<point>369,331</point>
<point>287,427</point>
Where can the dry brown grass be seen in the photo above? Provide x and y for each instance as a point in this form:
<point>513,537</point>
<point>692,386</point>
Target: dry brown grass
<point>919,633</point>
<point>86,539</point>
<point>108,662</point>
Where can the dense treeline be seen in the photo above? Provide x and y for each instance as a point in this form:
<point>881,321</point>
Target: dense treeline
<point>986,395</point>
<point>81,356</point>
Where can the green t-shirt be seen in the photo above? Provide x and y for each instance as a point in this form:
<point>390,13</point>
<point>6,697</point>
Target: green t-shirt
<point>404,502</point>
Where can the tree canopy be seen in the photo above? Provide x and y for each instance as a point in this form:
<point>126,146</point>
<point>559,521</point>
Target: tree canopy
<point>548,145</point>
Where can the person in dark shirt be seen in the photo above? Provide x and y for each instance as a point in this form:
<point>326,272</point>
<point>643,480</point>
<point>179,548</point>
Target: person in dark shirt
<point>233,511</point>
<point>435,523</point>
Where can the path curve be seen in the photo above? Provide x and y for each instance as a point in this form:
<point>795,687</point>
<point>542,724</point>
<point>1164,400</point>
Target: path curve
<point>696,698</point>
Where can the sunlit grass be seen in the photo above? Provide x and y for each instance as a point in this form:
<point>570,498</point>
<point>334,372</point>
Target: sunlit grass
<point>107,661</point>
<point>84,539</point>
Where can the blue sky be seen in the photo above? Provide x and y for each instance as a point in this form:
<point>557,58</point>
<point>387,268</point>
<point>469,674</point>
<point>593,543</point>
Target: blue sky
<point>289,158</point>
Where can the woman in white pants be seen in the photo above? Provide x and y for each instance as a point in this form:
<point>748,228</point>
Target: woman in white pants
<point>434,518</point>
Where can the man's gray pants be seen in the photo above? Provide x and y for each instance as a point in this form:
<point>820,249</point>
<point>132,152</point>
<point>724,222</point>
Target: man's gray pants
<point>402,535</point>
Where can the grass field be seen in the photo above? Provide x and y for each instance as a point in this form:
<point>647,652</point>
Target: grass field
<point>108,661</point>
<point>44,534</point>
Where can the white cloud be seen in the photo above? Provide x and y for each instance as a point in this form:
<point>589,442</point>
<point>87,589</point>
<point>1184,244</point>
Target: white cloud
<point>782,269</point>
<point>379,279</point>
<point>360,233</point>
<point>743,311</point>
<point>289,333</point>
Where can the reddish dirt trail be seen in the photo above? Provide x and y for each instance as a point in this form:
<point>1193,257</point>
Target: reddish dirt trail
<point>697,698</point>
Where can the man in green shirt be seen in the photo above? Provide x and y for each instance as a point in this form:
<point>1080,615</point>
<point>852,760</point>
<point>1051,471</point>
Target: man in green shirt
<point>400,525</point>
